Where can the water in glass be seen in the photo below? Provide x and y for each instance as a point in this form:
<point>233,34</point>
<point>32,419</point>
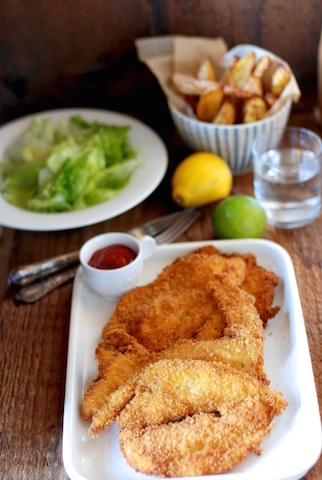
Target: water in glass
<point>287,183</point>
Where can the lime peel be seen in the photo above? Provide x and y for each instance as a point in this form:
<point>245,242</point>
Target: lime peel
<point>239,216</point>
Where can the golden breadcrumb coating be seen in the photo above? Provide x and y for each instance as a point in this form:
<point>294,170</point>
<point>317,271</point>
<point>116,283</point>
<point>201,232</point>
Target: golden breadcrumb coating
<point>181,367</point>
<point>240,346</point>
<point>193,417</point>
<point>175,305</point>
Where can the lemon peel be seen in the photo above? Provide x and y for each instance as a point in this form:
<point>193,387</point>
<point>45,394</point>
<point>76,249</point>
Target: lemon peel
<point>201,178</point>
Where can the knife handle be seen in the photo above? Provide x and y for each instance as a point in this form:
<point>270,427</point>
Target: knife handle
<point>26,274</point>
<point>34,292</point>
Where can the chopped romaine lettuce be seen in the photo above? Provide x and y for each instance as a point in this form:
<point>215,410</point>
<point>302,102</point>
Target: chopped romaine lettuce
<point>65,167</point>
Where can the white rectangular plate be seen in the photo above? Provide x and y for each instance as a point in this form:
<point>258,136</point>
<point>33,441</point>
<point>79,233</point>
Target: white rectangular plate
<point>288,452</point>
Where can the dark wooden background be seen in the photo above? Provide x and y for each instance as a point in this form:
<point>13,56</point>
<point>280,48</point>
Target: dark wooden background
<point>81,52</point>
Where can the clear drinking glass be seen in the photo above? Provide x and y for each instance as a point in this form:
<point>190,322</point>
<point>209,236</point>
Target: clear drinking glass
<point>287,176</point>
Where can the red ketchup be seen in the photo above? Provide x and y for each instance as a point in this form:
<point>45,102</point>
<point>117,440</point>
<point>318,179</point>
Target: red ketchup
<point>114,256</point>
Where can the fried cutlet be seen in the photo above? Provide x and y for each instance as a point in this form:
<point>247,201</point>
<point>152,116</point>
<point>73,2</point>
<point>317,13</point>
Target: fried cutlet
<point>194,309</point>
<point>193,417</point>
<point>258,281</point>
<point>241,346</point>
<point>118,361</point>
<point>176,304</point>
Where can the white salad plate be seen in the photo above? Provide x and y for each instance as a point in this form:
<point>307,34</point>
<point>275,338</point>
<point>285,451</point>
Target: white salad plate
<point>294,444</point>
<point>144,181</point>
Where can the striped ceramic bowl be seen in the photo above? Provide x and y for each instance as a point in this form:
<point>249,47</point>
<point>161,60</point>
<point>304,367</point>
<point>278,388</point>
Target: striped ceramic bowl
<point>231,142</point>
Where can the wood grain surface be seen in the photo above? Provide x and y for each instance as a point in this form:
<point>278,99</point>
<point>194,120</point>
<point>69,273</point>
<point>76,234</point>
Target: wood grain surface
<point>68,53</point>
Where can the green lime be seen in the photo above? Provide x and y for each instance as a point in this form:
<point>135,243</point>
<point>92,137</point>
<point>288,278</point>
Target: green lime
<point>239,216</point>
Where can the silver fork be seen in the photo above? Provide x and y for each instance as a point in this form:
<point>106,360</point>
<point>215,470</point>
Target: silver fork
<point>177,223</point>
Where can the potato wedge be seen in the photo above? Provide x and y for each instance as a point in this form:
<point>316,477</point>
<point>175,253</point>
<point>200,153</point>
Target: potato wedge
<point>280,79</point>
<point>189,85</point>
<point>206,71</point>
<point>254,109</point>
<point>235,92</point>
<point>227,114</point>
<point>262,66</point>
<point>240,71</point>
<point>209,105</point>
<point>228,69</point>
<point>254,85</point>
<point>244,93</point>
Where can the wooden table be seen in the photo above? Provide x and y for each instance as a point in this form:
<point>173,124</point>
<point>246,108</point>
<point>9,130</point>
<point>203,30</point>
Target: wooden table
<point>34,338</point>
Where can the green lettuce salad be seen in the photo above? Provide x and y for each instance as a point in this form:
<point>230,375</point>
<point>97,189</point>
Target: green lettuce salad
<point>69,166</point>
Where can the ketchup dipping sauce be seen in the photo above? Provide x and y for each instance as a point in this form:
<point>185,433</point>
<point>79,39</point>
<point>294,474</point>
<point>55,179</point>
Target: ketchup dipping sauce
<point>113,262</point>
<point>111,257</point>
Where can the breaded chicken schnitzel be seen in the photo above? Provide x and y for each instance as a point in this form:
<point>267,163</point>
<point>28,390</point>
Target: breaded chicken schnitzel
<point>118,361</point>
<point>176,304</point>
<point>240,346</point>
<point>195,309</point>
<point>192,417</point>
<point>258,281</point>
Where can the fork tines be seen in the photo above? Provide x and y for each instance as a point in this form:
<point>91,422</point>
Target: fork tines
<point>157,225</point>
<point>181,224</point>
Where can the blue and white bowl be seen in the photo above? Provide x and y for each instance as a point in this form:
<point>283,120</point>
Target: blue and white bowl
<point>231,142</point>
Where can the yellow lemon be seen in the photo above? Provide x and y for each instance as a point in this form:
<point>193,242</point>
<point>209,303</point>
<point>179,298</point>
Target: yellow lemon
<point>201,178</point>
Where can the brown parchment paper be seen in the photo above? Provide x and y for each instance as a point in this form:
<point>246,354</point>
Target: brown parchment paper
<point>165,55</point>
